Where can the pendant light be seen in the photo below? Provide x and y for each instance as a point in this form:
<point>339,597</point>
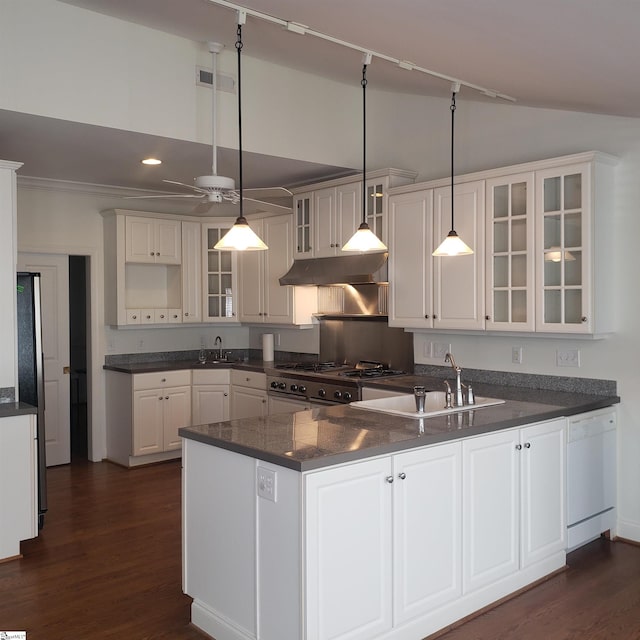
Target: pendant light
<point>364,240</point>
<point>453,245</point>
<point>240,237</point>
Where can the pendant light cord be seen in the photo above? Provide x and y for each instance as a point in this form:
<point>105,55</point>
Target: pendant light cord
<point>453,110</point>
<point>239,50</point>
<point>363,82</point>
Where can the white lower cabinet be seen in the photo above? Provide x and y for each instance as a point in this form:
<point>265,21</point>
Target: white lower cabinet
<point>287,405</point>
<point>248,394</point>
<point>513,501</point>
<point>144,413</point>
<point>210,396</point>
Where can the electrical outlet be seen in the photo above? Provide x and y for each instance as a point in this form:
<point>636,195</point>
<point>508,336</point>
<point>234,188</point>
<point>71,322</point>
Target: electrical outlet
<point>568,358</point>
<point>516,355</point>
<point>427,349</point>
<point>266,479</point>
<point>440,349</point>
<point>203,342</point>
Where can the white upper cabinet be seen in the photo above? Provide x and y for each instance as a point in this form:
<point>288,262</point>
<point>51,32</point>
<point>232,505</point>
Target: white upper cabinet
<point>327,214</point>
<point>262,298</point>
<point>191,272</point>
<point>152,240</point>
<point>541,234</point>
<point>458,282</point>
<point>410,259</point>
<point>510,258</point>
<point>220,278</point>
<point>574,240</point>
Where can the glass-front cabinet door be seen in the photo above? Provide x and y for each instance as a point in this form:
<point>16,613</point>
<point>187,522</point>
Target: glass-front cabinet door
<point>302,211</point>
<point>510,253</point>
<point>563,206</point>
<point>220,279</point>
<point>376,193</point>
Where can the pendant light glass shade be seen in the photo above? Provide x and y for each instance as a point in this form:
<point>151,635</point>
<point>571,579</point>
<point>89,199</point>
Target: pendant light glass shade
<point>240,237</point>
<point>364,240</point>
<point>453,245</point>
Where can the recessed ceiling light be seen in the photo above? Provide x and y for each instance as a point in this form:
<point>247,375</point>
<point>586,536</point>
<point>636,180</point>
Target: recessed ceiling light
<point>151,161</point>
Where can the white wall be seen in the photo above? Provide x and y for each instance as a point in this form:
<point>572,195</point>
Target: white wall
<point>310,118</point>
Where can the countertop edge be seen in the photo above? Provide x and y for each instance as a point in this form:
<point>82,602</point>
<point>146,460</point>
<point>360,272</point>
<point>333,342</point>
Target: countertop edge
<point>9,409</point>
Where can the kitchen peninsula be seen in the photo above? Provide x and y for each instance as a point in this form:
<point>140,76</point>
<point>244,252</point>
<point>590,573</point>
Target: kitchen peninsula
<point>344,523</point>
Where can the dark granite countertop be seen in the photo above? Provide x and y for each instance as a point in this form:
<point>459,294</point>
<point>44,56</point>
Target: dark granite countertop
<point>173,365</point>
<point>322,437</point>
<point>8,409</point>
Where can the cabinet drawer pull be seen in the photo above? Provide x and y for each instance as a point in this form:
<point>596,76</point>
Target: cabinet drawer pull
<point>402,475</point>
<point>163,380</point>
<point>389,479</point>
<point>518,447</point>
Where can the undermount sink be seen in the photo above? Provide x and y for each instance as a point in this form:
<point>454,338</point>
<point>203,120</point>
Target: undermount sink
<point>214,361</point>
<point>405,405</point>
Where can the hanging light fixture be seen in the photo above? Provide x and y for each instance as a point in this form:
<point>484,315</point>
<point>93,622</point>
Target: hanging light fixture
<point>453,245</point>
<point>240,237</point>
<point>364,240</point>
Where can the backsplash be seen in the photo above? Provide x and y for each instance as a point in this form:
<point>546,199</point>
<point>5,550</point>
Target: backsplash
<point>528,380</point>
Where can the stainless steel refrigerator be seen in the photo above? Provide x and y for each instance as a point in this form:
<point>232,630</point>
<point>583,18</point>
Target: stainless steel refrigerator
<point>31,369</point>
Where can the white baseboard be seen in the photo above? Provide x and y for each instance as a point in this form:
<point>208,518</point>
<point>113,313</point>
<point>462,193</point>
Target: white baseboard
<point>628,530</point>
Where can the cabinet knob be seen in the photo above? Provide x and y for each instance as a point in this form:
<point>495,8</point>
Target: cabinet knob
<point>152,254</point>
<point>186,313</point>
<point>225,394</point>
<point>518,447</point>
<point>527,445</point>
<point>175,315</point>
<point>426,315</point>
<point>402,475</point>
<point>584,318</point>
<point>435,317</point>
<point>166,397</point>
<point>160,398</point>
<point>487,317</point>
<point>161,316</point>
<point>389,479</point>
<point>157,253</point>
<point>135,317</point>
<point>163,380</point>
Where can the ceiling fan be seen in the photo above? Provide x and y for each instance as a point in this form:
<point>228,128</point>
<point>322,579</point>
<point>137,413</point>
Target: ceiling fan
<point>214,189</point>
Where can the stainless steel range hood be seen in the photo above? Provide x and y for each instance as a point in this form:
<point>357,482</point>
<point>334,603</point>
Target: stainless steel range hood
<point>348,269</point>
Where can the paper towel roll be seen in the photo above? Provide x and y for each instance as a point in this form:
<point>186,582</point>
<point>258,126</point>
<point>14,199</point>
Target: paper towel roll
<point>267,347</point>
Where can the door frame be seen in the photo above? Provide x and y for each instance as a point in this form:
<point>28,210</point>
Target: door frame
<point>96,409</point>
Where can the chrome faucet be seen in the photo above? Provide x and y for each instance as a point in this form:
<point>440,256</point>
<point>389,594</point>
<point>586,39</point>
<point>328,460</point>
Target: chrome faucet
<point>448,358</point>
<point>218,343</point>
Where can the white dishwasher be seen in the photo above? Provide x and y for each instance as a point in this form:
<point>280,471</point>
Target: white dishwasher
<point>591,475</point>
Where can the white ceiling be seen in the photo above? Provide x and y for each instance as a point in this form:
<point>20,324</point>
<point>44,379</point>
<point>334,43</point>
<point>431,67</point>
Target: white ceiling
<point>562,54</point>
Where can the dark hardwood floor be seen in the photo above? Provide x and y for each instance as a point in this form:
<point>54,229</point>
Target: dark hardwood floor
<point>107,565</point>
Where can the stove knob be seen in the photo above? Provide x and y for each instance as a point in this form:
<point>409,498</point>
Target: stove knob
<point>302,388</point>
<point>274,385</point>
<point>337,395</point>
<point>346,396</point>
<point>282,385</point>
<point>294,387</point>
<point>322,393</point>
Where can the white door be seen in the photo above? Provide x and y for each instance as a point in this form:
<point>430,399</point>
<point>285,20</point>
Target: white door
<point>54,270</point>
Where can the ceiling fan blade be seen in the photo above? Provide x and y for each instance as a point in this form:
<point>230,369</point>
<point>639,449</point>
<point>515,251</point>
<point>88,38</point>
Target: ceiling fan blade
<point>189,186</point>
<point>166,196</point>
<point>269,206</point>
<point>269,192</point>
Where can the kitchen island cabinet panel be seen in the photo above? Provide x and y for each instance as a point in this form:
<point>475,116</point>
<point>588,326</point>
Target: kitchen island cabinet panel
<point>348,552</point>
